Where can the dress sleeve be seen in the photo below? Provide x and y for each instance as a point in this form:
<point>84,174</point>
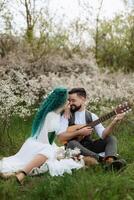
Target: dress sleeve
<point>63,125</point>
<point>98,128</point>
<point>50,127</point>
<point>52,122</point>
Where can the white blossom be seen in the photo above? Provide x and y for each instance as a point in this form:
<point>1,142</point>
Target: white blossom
<point>18,92</point>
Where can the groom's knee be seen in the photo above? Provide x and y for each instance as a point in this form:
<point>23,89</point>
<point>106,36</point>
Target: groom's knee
<point>111,139</point>
<point>72,144</point>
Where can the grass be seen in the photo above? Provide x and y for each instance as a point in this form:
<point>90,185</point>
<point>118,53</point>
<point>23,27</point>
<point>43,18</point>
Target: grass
<point>84,184</point>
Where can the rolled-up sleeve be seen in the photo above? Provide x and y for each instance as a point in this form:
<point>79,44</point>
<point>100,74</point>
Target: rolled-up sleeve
<point>98,128</point>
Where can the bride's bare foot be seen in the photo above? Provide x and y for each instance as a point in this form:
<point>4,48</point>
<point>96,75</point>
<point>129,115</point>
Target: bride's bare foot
<point>7,175</point>
<point>20,176</point>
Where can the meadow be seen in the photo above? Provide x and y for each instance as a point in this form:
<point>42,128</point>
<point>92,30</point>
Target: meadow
<point>93,183</point>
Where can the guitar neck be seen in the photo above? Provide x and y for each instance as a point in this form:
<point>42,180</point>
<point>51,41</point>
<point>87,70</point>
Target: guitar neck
<point>101,119</point>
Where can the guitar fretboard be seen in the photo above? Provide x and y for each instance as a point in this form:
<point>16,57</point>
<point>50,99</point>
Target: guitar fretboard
<point>101,119</point>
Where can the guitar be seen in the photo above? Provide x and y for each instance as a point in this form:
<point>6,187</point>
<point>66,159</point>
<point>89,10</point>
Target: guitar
<point>124,108</point>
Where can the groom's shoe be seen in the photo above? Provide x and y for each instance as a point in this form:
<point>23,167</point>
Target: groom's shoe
<point>116,165</point>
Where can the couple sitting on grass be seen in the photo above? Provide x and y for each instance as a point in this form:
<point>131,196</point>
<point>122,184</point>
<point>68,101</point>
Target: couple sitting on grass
<point>59,111</point>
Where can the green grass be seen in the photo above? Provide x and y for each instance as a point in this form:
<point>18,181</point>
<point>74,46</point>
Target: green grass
<point>84,184</point>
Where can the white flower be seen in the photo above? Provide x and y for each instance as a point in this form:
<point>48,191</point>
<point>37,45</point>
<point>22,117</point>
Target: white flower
<point>18,93</point>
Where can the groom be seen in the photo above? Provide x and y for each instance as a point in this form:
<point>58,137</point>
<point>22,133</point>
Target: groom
<point>106,143</point>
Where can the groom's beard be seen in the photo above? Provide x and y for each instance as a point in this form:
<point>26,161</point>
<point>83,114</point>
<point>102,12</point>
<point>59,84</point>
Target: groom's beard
<point>74,108</point>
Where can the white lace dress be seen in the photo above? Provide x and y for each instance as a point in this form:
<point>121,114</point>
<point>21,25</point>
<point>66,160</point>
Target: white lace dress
<point>41,145</point>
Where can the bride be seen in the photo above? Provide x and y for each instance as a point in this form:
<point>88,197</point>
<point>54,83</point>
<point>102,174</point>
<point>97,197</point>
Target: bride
<point>39,148</point>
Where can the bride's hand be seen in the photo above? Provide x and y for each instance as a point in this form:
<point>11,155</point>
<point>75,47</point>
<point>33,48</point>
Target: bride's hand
<point>67,113</point>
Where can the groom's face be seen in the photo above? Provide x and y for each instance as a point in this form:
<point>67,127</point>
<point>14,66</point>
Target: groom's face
<point>76,102</point>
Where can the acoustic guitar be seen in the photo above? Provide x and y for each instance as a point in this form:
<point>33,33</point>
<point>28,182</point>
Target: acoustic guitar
<point>124,108</point>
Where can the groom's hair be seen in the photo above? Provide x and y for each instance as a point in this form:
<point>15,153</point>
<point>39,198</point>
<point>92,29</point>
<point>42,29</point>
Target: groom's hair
<point>78,91</point>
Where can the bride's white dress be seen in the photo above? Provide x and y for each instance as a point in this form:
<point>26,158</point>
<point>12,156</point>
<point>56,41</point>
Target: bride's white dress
<point>41,145</point>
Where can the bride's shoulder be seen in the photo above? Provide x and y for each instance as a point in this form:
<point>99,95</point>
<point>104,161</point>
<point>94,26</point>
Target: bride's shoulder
<point>52,115</point>
<point>52,120</point>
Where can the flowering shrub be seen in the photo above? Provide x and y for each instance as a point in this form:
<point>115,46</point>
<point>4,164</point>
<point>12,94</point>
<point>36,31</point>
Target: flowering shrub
<point>19,93</point>
<point>23,84</point>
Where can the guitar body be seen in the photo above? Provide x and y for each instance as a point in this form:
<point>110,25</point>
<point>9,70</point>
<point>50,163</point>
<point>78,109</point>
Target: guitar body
<point>75,127</point>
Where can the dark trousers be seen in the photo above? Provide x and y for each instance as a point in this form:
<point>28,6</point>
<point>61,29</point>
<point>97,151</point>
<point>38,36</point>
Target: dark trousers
<point>88,147</point>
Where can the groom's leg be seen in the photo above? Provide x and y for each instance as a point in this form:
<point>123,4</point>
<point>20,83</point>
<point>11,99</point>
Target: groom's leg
<point>111,146</point>
<point>84,151</point>
<point>107,145</point>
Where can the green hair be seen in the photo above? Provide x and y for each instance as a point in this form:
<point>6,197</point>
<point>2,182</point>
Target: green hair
<point>53,101</point>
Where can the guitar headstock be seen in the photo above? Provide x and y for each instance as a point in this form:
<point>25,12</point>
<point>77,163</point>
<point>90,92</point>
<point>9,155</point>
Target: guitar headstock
<point>126,107</point>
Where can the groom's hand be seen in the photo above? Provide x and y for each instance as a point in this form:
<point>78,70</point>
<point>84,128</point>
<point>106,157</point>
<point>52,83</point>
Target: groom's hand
<point>119,117</point>
<point>85,131</point>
